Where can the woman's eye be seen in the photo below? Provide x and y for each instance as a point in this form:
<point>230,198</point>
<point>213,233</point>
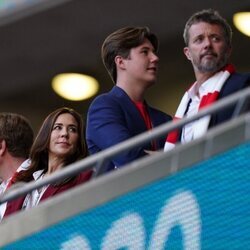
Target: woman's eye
<point>73,129</point>
<point>57,127</point>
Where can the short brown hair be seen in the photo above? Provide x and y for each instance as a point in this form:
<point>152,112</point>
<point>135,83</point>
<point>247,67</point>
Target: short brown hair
<point>15,129</point>
<point>212,17</point>
<point>120,42</point>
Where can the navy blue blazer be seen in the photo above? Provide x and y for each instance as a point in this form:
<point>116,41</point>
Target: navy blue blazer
<point>113,118</point>
<point>235,82</point>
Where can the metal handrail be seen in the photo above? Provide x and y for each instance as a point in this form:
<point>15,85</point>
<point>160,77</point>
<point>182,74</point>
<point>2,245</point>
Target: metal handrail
<point>89,162</point>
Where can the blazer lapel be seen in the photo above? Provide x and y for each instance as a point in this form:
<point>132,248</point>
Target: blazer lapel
<point>50,191</point>
<point>129,106</point>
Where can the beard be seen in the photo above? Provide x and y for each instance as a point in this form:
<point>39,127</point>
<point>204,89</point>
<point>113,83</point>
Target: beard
<point>213,64</point>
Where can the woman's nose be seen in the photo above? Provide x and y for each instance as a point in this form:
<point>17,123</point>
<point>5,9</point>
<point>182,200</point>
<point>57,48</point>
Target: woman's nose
<point>64,132</point>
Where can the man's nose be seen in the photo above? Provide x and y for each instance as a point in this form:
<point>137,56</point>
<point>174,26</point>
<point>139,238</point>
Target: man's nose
<point>154,58</point>
<point>207,42</point>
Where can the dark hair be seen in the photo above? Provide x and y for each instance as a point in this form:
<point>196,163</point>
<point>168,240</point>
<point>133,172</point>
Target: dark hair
<point>39,150</point>
<point>212,17</point>
<point>120,43</point>
<point>17,133</point>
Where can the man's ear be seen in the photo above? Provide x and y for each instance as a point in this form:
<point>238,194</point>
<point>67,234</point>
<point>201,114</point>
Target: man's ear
<point>229,51</point>
<point>186,52</point>
<point>2,147</point>
<point>119,61</point>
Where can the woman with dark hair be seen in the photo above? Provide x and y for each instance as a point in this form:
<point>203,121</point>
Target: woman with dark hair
<point>59,142</point>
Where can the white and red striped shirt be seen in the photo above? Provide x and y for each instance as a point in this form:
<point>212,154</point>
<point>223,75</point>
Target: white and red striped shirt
<point>194,99</point>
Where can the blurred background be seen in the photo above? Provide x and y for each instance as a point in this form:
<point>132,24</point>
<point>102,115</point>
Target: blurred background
<point>42,39</point>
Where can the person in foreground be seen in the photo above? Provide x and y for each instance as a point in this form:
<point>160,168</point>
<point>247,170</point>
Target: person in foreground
<point>129,55</point>
<point>59,142</point>
<point>16,138</point>
<point>208,39</point>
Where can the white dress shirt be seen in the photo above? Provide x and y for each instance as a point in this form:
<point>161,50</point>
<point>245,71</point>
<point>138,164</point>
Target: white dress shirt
<point>32,200</point>
<point>199,127</point>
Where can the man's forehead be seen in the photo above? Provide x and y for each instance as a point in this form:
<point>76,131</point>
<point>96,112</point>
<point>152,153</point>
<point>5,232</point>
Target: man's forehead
<point>145,44</point>
<point>204,27</point>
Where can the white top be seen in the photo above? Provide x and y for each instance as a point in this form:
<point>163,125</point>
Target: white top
<point>33,199</point>
<point>206,93</point>
<point>4,184</point>
<point>199,127</point>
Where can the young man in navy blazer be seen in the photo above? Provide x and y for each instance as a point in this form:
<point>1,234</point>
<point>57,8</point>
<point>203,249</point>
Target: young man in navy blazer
<point>129,55</point>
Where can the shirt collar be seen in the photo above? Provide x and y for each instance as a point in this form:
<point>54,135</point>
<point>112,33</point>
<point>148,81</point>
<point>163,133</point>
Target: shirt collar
<point>24,165</point>
<point>38,174</point>
<point>205,87</point>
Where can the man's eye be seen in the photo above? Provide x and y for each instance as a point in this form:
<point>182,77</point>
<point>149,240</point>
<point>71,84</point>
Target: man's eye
<point>198,40</point>
<point>216,39</point>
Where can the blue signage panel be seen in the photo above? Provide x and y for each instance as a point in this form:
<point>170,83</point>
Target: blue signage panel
<point>206,206</point>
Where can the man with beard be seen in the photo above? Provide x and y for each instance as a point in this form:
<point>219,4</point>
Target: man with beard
<point>208,40</point>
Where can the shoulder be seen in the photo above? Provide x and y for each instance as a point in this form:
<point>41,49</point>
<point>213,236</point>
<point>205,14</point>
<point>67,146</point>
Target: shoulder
<point>110,97</point>
<point>84,176</point>
<point>235,83</point>
<point>116,101</point>
<point>14,206</point>
<point>53,190</point>
<point>80,178</point>
<point>240,78</point>
<point>106,97</point>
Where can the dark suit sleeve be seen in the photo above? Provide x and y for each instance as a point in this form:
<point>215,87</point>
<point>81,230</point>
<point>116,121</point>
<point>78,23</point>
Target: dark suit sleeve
<point>236,82</point>
<point>247,105</point>
<point>107,126</point>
